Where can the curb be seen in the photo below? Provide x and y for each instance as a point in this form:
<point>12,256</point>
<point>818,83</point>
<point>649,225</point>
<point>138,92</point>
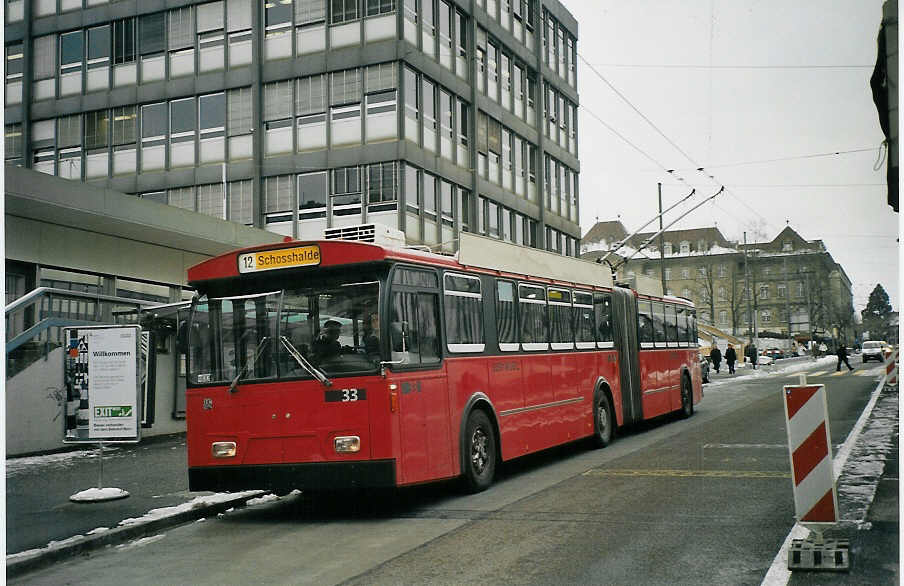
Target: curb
<point>49,555</point>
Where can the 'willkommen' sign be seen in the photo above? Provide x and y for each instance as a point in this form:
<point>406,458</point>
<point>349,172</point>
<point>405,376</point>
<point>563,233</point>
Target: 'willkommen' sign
<point>100,369</point>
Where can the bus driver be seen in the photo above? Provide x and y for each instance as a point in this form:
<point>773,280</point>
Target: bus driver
<point>326,345</point>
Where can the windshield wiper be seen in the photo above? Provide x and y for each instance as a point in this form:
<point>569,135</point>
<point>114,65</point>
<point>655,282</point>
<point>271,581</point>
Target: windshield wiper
<point>233,386</point>
<point>304,363</point>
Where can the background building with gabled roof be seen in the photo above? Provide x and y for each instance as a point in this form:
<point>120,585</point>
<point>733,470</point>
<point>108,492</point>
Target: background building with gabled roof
<point>792,284</point>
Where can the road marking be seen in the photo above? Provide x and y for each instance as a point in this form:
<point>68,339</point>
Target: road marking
<point>746,446</point>
<point>602,472</point>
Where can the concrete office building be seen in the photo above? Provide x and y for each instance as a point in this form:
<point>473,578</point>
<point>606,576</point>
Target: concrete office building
<point>430,116</point>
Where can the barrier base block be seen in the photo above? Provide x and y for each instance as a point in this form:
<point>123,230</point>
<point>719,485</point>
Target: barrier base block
<point>828,555</point>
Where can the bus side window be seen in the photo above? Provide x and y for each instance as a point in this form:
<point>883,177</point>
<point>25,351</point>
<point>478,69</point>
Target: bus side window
<point>506,324</point>
<point>602,306</point>
<point>413,328</point>
<point>428,327</point>
<point>658,324</point>
<point>534,325</point>
<point>645,323</point>
<point>671,325</point>
<point>682,325</point>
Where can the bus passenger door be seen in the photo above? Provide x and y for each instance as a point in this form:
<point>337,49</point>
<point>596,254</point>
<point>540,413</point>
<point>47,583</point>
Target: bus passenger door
<point>421,379</point>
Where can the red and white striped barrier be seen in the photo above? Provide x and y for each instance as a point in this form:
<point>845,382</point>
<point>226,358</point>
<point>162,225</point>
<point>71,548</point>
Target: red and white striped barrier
<point>891,367</point>
<point>810,446</point>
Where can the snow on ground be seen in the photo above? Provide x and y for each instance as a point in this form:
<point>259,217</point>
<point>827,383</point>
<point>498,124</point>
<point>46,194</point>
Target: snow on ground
<point>860,477</point>
<point>763,371</point>
<point>71,459</point>
<point>195,503</point>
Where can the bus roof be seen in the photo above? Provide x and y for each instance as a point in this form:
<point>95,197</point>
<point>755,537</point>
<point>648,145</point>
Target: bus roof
<point>475,253</point>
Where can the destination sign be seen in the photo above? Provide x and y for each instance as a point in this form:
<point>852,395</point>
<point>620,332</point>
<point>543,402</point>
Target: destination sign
<point>284,258</point>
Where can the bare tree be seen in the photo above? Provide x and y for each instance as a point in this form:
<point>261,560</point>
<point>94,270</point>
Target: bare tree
<point>705,280</point>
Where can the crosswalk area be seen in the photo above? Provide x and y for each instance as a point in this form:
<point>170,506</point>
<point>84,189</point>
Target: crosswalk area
<point>823,372</point>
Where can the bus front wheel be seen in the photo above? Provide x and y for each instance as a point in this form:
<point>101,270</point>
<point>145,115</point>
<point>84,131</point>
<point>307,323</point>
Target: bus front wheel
<point>480,452</point>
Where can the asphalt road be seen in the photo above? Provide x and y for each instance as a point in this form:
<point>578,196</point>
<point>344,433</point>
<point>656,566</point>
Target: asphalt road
<point>700,501</point>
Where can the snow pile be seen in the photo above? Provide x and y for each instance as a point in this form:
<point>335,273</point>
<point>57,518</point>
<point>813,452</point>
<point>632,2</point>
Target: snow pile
<point>198,502</point>
<point>267,498</point>
<point>91,495</point>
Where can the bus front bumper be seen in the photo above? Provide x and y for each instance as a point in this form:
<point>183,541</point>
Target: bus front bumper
<point>316,476</point>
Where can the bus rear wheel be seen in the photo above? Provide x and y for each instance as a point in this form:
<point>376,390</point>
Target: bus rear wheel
<point>603,422</point>
<point>687,398</point>
<point>480,452</point>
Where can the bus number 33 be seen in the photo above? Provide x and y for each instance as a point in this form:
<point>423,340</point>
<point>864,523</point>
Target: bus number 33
<point>345,395</point>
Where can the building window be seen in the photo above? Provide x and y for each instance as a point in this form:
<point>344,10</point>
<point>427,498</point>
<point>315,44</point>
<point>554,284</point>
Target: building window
<point>14,69</point>
<point>787,246</point>
<point>212,200</point>
<point>684,247</point>
<point>685,273</point>
<point>722,294</point>
<point>668,274</point>
<point>13,141</point>
<point>278,196</point>
<point>347,189</point>
<point>72,54</point>
<point>766,316</point>
<point>764,292</point>
<point>667,248</point>
<point>241,194</point>
<point>343,11</point>
<point>212,123</point>
<point>782,290</point>
<point>381,186</point>
<point>239,123</point>
<point>723,271</point>
<point>723,317</point>
<point>153,136</point>
<point>182,197</point>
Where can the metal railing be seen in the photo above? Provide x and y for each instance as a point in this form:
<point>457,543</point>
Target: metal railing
<point>35,321</point>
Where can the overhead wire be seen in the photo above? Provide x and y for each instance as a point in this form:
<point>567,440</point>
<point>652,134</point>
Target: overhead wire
<point>698,167</point>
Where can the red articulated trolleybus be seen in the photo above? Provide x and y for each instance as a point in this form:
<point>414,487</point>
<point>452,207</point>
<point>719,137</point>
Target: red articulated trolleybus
<point>335,364</point>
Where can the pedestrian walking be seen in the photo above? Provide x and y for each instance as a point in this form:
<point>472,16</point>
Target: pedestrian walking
<point>716,356</point>
<point>842,357</point>
<point>730,357</point>
<point>752,355</point>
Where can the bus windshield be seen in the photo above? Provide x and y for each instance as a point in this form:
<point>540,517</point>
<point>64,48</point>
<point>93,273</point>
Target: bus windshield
<point>282,334</point>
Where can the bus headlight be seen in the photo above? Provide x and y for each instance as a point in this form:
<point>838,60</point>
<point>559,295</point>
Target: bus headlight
<point>347,444</point>
<point>222,449</point>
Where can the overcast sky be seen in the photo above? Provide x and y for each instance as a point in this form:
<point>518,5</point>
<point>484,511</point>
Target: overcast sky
<point>733,83</point>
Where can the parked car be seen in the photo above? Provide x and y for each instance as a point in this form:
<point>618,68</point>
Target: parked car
<point>774,353</point>
<point>874,350</point>
<point>765,359</point>
<point>704,368</point>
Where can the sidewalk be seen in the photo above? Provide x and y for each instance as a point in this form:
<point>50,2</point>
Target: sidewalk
<point>43,526</point>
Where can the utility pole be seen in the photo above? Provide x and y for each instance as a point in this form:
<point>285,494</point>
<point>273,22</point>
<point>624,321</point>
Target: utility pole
<point>661,248</point>
<point>747,294</point>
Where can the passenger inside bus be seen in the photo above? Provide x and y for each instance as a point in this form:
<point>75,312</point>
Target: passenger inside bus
<point>326,345</point>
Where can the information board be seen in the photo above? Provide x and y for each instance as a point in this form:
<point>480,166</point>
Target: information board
<point>101,374</point>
